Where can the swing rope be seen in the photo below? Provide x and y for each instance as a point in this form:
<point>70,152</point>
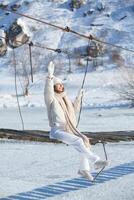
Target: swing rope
<point>79,117</point>
<point>82,86</point>
<point>30,57</point>
<point>16,89</point>
<point>106,157</point>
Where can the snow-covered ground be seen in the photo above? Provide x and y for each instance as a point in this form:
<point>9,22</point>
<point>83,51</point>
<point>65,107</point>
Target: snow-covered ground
<point>96,120</point>
<point>100,83</point>
<point>27,166</point>
<point>99,90</point>
<point>103,110</point>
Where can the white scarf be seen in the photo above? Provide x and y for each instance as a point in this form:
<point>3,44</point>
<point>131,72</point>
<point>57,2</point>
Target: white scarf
<point>70,116</point>
<point>69,113</point>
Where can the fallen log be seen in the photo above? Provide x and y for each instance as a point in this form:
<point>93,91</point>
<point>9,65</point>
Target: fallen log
<point>43,136</point>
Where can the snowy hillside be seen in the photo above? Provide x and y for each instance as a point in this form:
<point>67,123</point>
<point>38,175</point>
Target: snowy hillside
<point>114,24</point>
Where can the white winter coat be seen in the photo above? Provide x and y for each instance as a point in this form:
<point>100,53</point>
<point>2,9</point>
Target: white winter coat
<point>55,112</point>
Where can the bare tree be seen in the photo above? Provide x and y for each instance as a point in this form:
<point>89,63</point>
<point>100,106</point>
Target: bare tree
<point>125,88</point>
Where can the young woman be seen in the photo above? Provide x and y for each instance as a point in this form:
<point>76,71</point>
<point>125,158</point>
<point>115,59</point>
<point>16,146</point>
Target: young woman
<point>62,120</point>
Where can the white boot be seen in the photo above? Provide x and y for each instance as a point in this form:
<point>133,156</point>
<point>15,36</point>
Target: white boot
<point>86,174</point>
<point>100,164</point>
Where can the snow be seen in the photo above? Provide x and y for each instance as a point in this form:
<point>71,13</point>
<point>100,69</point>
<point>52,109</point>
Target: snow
<point>27,165</point>
<point>92,120</point>
<point>102,107</point>
<point>24,26</point>
<point>2,33</point>
<point>99,90</point>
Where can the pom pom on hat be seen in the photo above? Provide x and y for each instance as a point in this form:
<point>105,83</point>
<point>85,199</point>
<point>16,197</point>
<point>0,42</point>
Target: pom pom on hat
<point>57,80</point>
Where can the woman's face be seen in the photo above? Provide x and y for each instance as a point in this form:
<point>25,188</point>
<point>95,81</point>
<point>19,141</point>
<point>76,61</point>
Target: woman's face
<point>59,88</point>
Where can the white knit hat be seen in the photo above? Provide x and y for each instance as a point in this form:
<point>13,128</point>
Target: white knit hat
<point>57,80</point>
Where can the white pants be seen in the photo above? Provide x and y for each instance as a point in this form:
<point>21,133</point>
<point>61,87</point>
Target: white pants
<point>87,156</point>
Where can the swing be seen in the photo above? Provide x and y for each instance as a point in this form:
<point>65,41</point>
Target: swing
<point>82,86</point>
